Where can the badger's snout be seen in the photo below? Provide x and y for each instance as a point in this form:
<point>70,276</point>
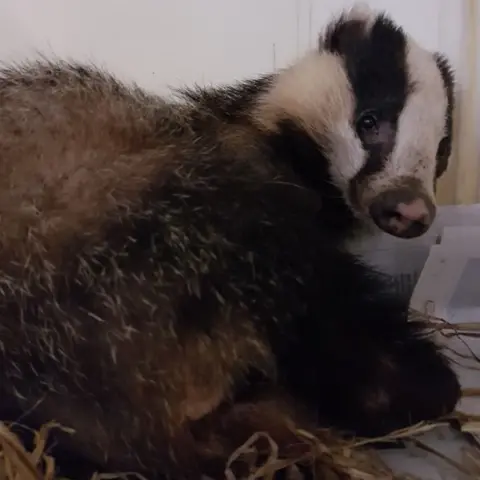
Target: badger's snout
<point>403,212</point>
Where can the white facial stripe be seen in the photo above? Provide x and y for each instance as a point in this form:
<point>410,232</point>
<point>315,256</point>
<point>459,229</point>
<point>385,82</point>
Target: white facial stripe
<point>315,92</point>
<point>317,95</point>
<point>346,155</point>
<point>422,122</point>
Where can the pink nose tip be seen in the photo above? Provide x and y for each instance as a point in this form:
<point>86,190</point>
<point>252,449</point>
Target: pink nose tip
<point>402,214</point>
<point>415,211</point>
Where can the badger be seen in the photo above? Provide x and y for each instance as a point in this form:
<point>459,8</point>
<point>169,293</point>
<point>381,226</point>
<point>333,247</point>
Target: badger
<point>175,272</point>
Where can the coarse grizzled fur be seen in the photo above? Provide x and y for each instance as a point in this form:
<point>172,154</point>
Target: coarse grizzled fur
<point>173,273</point>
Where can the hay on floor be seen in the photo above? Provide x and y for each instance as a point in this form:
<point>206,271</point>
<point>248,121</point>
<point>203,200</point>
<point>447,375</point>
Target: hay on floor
<point>343,459</point>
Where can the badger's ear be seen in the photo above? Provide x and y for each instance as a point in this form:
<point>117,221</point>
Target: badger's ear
<point>447,71</point>
<point>449,80</point>
<point>445,147</point>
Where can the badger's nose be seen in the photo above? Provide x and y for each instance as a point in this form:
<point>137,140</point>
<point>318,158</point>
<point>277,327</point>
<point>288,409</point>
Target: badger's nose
<point>402,212</point>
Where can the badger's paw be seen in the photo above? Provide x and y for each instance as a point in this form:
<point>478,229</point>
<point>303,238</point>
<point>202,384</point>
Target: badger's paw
<point>410,387</point>
<point>392,386</point>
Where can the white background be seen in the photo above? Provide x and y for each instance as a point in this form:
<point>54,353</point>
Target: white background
<point>172,42</point>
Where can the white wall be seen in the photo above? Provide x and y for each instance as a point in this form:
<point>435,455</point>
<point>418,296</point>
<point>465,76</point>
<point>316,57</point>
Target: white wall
<point>173,42</point>
<point>162,42</point>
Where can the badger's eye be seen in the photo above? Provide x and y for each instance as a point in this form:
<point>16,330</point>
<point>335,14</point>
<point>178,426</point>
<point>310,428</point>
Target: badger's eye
<point>367,123</point>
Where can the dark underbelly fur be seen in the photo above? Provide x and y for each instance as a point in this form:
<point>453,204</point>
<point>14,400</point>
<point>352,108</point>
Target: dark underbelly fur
<point>317,337</point>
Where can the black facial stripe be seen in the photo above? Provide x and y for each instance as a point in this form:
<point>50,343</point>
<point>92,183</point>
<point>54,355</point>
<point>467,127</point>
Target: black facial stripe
<point>379,151</point>
<point>376,66</point>
<point>445,147</point>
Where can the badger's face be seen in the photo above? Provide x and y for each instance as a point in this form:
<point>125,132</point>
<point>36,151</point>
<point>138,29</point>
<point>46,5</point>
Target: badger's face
<point>379,107</point>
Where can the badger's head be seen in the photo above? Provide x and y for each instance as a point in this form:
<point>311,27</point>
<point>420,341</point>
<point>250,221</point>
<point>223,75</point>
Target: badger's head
<point>377,110</point>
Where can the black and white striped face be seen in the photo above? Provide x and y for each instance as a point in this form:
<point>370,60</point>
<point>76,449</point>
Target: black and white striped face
<point>380,108</point>
<point>401,121</point>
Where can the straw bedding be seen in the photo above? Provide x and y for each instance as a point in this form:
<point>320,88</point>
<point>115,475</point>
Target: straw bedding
<point>349,460</point>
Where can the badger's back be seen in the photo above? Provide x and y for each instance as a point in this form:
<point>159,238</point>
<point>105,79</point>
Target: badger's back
<point>75,146</point>
<point>79,146</point>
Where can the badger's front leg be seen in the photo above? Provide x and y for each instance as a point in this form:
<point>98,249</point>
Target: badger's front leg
<point>362,364</point>
<point>387,380</point>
